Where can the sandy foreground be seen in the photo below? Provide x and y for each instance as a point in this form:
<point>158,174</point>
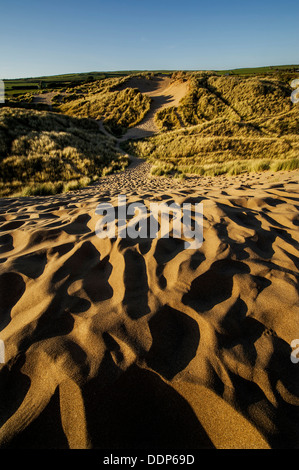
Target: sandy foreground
<point>142,343</point>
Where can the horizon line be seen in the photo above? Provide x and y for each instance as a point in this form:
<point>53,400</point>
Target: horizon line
<point>151,70</point>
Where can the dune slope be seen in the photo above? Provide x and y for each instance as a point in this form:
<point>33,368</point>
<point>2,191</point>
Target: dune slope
<point>123,343</point>
<point>164,92</point>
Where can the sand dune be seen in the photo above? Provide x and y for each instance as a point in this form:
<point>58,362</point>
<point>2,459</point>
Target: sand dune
<point>122,343</point>
<point>164,93</point>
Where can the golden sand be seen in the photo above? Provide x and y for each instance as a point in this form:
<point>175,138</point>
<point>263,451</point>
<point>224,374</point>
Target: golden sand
<point>122,343</point>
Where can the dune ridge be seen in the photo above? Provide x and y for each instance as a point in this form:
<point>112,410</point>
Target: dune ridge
<point>164,92</point>
<point>141,343</point>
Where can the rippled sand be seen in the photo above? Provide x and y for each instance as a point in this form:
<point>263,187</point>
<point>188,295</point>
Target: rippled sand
<point>121,343</point>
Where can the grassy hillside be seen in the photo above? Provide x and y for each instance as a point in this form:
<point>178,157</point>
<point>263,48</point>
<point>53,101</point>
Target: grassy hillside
<point>119,109</point>
<point>18,87</point>
<point>233,98</point>
<point>46,153</point>
<point>272,69</point>
<point>22,85</point>
<point>225,124</point>
<point>95,99</point>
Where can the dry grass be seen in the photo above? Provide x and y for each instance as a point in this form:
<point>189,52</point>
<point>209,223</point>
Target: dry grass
<point>119,109</point>
<point>231,98</point>
<point>44,152</point>
<point>225,125</point>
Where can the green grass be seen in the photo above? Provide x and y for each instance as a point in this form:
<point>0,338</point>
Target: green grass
<point>16,87</point>
<point>262,70</point>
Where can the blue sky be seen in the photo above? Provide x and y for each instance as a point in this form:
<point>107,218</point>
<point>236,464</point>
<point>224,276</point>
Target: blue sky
<point>54,37</point>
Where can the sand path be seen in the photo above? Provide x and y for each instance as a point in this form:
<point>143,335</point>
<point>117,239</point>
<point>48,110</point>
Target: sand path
<point>164,92</point>
<point>45,98</point>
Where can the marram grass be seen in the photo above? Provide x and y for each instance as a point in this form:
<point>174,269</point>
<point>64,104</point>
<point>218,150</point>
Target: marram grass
<point>46,153</point>
<point>223,125</point>
<point>230,168</point>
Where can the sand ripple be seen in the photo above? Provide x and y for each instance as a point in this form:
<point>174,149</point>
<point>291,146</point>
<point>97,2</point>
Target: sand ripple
<point>144,344</point>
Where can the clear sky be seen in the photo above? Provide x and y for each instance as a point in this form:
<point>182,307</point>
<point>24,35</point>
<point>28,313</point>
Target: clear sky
<point>39,37</point>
